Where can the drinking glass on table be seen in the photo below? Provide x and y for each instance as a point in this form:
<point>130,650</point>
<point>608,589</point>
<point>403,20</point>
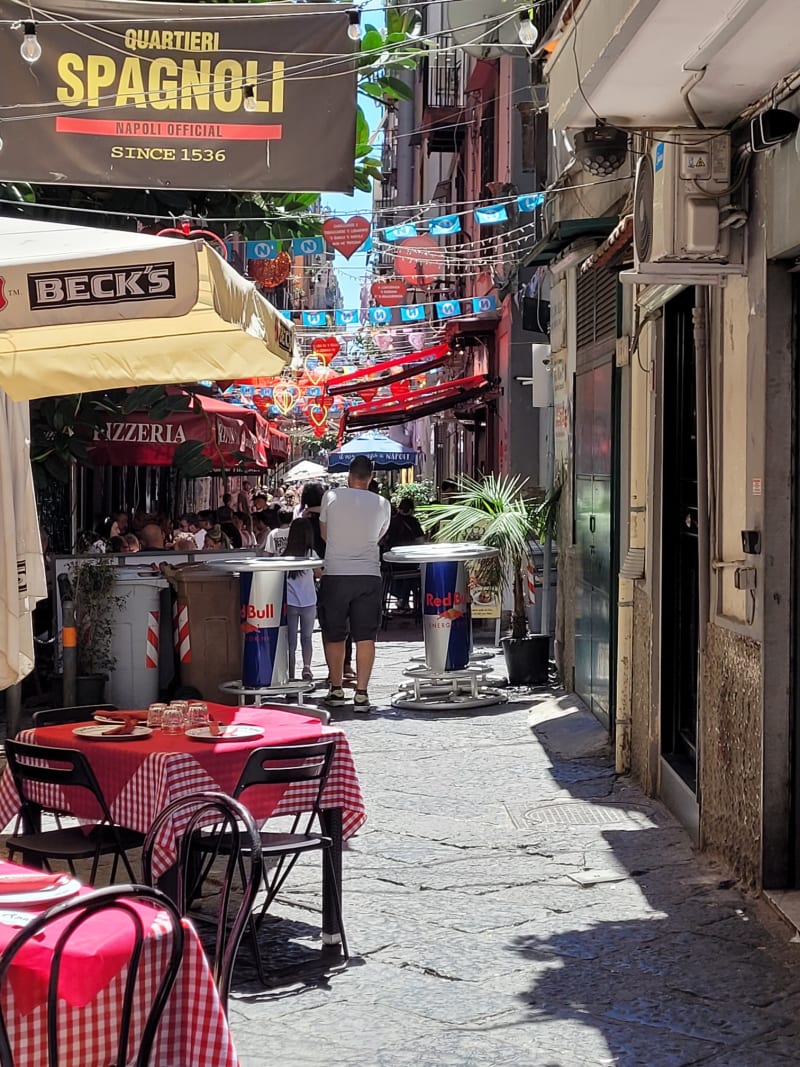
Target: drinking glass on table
<point>198,713</point>
<point>183,708</point>
<point>155,715</point>
<point>172,720</point>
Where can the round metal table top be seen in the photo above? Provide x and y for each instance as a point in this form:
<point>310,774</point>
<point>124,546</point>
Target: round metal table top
<point>263,563</point>
<point>439,552</point>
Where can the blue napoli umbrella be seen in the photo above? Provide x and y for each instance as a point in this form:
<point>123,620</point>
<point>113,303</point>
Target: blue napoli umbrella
<point>386,454</point>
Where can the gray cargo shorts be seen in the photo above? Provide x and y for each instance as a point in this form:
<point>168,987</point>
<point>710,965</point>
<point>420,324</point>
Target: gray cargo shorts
<point>349,604</point>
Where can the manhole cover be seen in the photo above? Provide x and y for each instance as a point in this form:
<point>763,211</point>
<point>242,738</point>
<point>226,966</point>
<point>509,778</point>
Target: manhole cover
<point>583,814</point>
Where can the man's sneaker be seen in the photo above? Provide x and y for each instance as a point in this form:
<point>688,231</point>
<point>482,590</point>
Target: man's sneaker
<point>335,697</point>
<point>361,701</point>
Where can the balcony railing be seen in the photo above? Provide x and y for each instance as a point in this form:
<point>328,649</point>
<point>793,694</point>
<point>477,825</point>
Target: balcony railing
<point>444,82</point>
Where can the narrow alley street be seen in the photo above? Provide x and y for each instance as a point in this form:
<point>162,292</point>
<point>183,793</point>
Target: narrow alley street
<point>510,900</point>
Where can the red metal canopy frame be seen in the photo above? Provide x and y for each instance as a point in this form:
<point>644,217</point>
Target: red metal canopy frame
<point>419,403</point>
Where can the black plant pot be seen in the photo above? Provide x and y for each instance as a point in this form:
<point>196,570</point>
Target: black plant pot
<point>527,659</point>
<point>90,689</point>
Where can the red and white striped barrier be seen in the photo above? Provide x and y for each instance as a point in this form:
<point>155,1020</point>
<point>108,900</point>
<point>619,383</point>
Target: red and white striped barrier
<point>183,640</point>
<point>151,646</point>
<point>530,582</point>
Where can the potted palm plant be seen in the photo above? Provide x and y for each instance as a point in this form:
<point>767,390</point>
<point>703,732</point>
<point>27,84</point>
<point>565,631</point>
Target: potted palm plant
<point>496,512</point>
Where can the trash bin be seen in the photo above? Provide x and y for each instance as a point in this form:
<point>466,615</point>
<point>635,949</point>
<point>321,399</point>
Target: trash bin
<point>207,631</point>
<point>534,610</point>
<point>135,639</point>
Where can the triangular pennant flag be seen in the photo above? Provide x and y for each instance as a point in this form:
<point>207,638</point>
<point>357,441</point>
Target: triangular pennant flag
<point>490,216</point>
<point>397,233</point>
<point>308,246</point>
<point>529,201</point>
<point>445,309</point>
<point>261,250</point>
<point>444,225</point>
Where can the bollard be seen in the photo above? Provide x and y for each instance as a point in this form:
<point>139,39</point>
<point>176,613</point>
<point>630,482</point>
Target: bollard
<point>69,643</point>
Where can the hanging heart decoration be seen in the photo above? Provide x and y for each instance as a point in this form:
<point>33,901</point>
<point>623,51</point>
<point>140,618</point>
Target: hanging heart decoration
<point>315,369</point>
<point>346,235</point>
<point>284,397</point>
<point>327,402</point>
<point>317,415</point>
<point>326,348</point>
<point>399,389</point>
<point>389,294</point>
<point>368,394</point>
<point>319,431</point>
<point>416,338</point>
<point>383,340</point>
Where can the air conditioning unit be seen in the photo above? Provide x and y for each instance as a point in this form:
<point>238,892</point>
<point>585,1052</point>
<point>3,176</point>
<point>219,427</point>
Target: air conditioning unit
<point>681,189</point>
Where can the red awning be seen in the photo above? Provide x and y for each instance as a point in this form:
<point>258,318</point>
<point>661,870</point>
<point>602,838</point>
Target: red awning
<point>279,445</point>
<point>370,376</point>
<point>226,431</point>
<point>407,367</point>
<point>421,402</point>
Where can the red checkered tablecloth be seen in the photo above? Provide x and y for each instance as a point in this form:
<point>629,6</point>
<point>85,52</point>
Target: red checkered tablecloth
<point>140,778</point>
<point>193,1029</point>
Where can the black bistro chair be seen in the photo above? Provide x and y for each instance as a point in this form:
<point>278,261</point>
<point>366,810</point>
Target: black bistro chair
<point>62,716</point>
<point>233,835</point>
<point>79,911</point>
<point>304,764</point>
<point>64,768</point>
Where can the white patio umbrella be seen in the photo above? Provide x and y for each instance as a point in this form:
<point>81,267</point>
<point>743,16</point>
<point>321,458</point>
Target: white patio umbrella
<point>22,574</point>
<point>84,309</point>
<point>305,471</point>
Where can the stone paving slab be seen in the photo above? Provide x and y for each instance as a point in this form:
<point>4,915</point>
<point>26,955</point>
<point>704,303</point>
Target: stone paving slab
<point>511,900</point>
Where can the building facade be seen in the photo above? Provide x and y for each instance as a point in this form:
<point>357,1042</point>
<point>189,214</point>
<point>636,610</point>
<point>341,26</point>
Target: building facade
<point>674,326</point>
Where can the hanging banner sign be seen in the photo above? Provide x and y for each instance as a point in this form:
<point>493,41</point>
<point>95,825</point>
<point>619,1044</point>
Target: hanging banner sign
<point>158,96</point>
<point>346,235</point>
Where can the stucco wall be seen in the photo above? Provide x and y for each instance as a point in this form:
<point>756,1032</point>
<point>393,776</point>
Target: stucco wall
<point>641,703</point>
<point>730,739</point>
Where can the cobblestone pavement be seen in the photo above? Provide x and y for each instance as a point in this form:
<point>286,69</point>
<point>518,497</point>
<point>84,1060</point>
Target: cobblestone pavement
<point>511,901</point>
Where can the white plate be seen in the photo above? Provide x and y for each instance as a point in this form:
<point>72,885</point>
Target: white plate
<point>49,895</point>
<point>232,732</point>
<point>105,733</point>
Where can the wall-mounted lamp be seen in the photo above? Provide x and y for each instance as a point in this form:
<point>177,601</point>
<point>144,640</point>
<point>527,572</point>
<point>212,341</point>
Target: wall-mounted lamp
<point>601,150</point>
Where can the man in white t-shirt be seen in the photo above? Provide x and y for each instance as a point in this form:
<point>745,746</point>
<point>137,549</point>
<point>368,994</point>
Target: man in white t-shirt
<point>352,521</point>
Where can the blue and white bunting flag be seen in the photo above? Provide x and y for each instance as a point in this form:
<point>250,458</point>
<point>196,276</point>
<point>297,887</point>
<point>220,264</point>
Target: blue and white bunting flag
<point>313,318</point>
<point>246,390</point>
<point>266,392</point>
<point>380,316</point>
<point>484,303</point>
<point>445,309</point>
<point>307,246</point>
<point>490,216</point>
<point>412,313</point>
<point>529,201</point>
<point>397,233</point>
<point>286,312</point>
<point>366,247</point>
<point>262,250</point>
<point>314,390</point>
<point>444,225</point>
<point>346,317</point>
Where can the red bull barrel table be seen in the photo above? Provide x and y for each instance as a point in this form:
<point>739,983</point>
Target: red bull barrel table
<point>447,681</point>
<point>265,656</point>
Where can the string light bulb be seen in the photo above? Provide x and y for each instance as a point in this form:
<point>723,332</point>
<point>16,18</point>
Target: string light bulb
<point>354,27</point>
<point>250,102</point>
<point>526,30</point>
<point>30,49</point>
